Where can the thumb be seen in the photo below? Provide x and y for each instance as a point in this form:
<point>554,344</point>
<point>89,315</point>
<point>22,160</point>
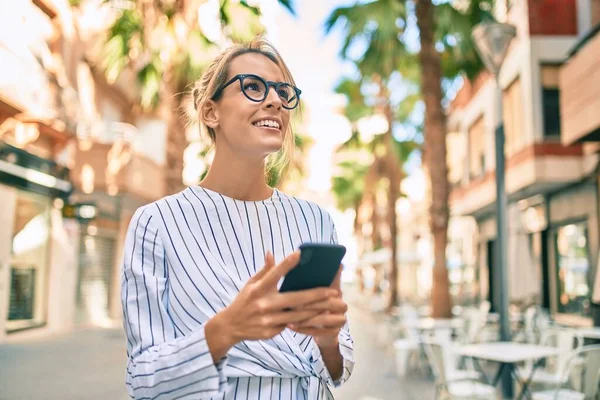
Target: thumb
<point>337,282</point>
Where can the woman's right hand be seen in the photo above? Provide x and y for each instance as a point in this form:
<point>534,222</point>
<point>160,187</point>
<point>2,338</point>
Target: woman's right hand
<point>259,311</point>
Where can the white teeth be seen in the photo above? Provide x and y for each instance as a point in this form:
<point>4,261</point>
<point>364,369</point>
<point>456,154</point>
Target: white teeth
<point>268,122</point>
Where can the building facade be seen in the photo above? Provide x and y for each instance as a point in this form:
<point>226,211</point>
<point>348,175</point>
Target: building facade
<point>552,192</point>
<point>580,121</point>
<point>67,137</point>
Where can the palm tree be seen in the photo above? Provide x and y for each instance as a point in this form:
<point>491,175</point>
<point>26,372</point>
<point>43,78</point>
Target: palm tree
<point>388,153</point>
<point>161,41</point>
<point>446,50</point>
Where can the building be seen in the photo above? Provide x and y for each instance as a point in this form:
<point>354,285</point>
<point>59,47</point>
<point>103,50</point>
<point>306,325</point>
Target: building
<point>38,251</point>
<point>68,138</point>
<point>552,192</point>
<point>579,83</point>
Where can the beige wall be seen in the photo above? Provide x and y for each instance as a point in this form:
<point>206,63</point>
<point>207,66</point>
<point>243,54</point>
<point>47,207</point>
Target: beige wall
<point>62,280</point>
<point>7,213</point>
<point>580,93</point>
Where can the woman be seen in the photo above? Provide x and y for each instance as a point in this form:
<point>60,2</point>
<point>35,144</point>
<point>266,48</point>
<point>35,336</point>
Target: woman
<point>203,315</point>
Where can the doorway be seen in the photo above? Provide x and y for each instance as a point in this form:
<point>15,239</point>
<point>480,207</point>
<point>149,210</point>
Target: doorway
<point>491,262</point>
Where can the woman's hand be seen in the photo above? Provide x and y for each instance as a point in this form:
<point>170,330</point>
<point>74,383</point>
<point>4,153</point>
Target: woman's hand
<point>260,312</point>
<point>325,326</point>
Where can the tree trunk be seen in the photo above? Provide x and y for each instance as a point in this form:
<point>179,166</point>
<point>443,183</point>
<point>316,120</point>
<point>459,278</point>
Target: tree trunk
<point>393,175</point>
<point>176,141</point>
<point>435,155</point>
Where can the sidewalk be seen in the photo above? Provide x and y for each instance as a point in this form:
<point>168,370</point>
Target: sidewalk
<point>90,365</point>
<point>83,365</point>
<point>369,380</point>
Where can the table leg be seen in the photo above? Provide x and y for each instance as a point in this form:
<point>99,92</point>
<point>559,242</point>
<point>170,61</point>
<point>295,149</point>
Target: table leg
<point>499,374</point>
<point>525,383</point>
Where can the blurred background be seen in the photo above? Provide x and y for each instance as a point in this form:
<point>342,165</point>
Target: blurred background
<point>396,139</point>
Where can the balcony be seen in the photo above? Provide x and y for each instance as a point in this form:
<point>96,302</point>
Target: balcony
<point>539,168</point>
<point>580,92</point>
<point>114,170</point>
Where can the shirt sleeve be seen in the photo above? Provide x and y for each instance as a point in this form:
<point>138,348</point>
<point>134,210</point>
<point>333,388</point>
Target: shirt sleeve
<point>346,344</point>
<point>346,347</point>
<point>163,363</point>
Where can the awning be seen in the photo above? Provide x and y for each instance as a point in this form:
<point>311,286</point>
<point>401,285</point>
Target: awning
<point>24,170</point>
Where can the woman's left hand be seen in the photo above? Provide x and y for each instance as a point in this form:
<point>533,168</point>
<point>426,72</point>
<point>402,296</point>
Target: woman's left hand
<point>325,327</point>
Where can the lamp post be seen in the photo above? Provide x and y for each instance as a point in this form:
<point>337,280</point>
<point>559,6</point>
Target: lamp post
<point>491,41</point>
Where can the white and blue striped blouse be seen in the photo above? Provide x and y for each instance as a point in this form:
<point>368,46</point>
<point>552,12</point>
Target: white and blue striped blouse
<point>186,258</point>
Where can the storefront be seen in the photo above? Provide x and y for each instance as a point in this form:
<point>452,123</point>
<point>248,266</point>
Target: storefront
<point>573,250</point>
<point>32,190</point>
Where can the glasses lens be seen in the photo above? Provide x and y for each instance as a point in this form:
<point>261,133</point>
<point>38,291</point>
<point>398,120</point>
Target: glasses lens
<point>254,88</point>
<point>287,94</point>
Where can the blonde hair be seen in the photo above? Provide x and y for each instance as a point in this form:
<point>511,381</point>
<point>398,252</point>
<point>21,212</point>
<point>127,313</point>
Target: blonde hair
<point>216,75</point>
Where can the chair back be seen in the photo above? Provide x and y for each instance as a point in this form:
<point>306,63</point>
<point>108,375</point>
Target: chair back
<point>535,321</point>
<point>475,321</point>
<point>565,339</point>
<point>582,372</point>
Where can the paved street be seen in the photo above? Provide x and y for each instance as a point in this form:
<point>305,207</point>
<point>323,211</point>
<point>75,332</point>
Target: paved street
<point>89,365</point>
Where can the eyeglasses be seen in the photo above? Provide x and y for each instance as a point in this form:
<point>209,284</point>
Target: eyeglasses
<point>256,89</point>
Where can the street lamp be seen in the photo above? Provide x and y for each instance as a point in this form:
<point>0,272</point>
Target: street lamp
<point>491,41</point>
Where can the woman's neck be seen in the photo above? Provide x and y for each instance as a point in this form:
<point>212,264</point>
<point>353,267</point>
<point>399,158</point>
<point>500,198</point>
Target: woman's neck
<point>237,178</point>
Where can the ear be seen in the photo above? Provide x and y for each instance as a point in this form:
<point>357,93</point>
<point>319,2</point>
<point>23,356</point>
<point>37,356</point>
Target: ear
<point>210,114</point>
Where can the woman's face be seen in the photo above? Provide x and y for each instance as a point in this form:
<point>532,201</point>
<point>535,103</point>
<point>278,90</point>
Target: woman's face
<point>239,122</point>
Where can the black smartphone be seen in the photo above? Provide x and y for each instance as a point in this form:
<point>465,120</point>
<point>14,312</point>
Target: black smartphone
<point>318,266</point>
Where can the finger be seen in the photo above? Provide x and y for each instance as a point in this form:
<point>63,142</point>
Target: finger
<point>271,277</point>
<point>323,321</point>
<point>291,317</point>
<point>334,305</point>
<point>301,298</point>
<point>317,331</point>
<point>269,263</point>
<point>337,282</point>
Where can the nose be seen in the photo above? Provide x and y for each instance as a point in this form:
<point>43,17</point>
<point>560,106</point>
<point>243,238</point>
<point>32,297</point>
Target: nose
<point>273,100</point>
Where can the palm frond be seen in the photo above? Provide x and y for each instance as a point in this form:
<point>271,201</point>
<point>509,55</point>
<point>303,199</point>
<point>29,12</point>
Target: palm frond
<point>288,5</point>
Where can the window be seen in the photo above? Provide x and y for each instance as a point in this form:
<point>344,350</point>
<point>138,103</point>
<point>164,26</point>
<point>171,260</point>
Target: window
<point>29,261</point>
<point>550,101</point>
<point>477,149</point>
<point>573,266</point>
<point>513,117</point>
<point>551,112</point>
<point>595,12</point>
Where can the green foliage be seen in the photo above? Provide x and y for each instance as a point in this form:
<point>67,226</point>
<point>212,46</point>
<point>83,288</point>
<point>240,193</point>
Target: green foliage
<point>453,30</point>
<point>158,51</point>
<point>124,34</point>
<point>381,25</point>
<point>349,184</point>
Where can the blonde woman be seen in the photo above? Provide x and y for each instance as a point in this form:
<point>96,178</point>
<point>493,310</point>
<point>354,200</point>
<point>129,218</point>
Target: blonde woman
<point>203,315</point>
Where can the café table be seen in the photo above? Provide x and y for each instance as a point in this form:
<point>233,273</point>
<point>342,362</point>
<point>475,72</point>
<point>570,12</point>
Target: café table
<point>508,355</point>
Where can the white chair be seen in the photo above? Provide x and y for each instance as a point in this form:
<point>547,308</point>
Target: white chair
<point>565,339</point>
<point>536,320</point>
<point>448,383</point>
<point>581,377</point>
<point>407,346</point>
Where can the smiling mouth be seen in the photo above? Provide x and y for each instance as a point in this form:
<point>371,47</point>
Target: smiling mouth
<point>269,124</point>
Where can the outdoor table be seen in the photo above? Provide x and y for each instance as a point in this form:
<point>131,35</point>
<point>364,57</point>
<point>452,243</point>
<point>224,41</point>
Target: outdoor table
<point>431,324</point>
<point>508,354</point>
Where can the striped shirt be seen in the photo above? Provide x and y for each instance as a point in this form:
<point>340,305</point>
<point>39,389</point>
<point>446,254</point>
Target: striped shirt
<point>186,257</point>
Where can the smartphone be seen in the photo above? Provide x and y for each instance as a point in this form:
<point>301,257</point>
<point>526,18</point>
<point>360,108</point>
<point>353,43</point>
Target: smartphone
<point>318,266</point>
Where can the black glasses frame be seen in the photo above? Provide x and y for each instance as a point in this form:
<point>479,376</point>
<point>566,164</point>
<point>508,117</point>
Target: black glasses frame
<point>268,85</point>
